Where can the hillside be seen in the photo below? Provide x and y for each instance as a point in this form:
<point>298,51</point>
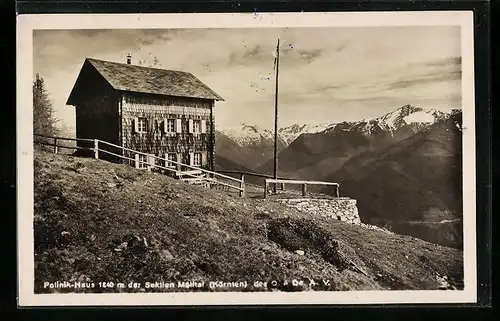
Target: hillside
<point>249,155</point>
<point>222,163</point>
<point>96,221</point>
<point>251,146</point>
<point>313,154</point>
<point>414,186</point>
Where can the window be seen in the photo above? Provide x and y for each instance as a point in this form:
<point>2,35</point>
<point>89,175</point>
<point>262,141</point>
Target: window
<point>197,159</point>
<point>141,125</point>
<point>171,157</point>
<point>170,126</point>
<point>142,161</point>
<point>196,126</point>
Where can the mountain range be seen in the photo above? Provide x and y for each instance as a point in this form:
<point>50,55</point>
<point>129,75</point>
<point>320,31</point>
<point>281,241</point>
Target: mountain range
<point>311,155</point>
<point>404,167</point>
<point>251,135</point>
<point>413,186</point>
<point>247,135</point>
<point>251,146</point>
<point>250,152</point>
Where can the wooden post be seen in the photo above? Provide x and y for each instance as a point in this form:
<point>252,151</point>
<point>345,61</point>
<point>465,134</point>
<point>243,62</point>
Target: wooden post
<point>276,117</point>
<point>265,189</point>
<point>96,149</point>
<point>304,189</point>
<point>336,191</point>
<point>124,153</point>
<point>282,186</point>
<point>55,146</point>
<point>149,162</point>
<point>242,185</point>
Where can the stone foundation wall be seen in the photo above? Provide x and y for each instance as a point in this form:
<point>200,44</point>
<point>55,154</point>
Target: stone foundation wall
<point>341,208</point>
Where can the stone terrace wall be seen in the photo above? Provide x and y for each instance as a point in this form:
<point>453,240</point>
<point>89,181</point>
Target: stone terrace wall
<point>341,208</point>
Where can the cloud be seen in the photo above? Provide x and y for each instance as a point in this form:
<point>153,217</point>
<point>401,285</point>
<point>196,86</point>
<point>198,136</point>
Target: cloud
<point>253,52</point>
<point>453,61</point>
<point>250,55</point>
<point>309,55</point>
<point>332,87</point>
<point>341,47</point>
<point>87,32</point>
<point>427,79</point>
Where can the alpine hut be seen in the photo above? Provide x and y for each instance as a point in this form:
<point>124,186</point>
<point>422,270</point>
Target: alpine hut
<point>160,112</point>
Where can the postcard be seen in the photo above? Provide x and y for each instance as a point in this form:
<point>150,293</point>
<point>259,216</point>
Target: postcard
<point>246,159</point>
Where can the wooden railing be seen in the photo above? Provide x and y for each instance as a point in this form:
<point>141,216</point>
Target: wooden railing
<point>269,179</point>
<point>300,182</point>
<point>243,174</point>
<point>250,174</point>
<point>57,139</point>
<point>213,178</point>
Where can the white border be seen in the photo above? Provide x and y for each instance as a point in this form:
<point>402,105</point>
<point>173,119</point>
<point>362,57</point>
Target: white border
<point>27,23</point>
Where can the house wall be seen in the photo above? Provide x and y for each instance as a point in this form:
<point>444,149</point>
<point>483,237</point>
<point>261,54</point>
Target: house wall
<point>96,109</point>
<point>156,109</point>
<point>97,118</point>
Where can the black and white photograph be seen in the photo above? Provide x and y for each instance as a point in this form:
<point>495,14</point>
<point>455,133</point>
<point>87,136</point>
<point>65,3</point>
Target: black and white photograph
<point>321,158</point>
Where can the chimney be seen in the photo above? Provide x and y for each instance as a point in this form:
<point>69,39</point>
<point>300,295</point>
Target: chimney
<point>129,59</point>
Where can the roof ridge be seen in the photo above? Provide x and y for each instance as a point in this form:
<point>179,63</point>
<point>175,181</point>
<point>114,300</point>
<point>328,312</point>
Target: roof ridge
<point>137,66</point>
<point>122,76</point>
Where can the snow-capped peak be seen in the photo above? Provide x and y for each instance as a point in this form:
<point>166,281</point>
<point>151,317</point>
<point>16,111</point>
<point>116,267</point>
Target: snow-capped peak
<point>290,133</point>
<point>420,117</point>
<point>247,135</point>
<point>406,115</point>
<point>416,118</point>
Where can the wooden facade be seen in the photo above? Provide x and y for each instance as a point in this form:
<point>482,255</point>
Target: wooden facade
<point>180,128</point>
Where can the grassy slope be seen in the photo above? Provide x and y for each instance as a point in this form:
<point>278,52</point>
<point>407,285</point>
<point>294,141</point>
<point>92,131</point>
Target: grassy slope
<point>86,209</point>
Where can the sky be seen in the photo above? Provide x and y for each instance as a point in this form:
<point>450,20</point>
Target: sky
<point>326,75</point>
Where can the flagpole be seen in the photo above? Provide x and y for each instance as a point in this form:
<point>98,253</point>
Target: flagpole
<point>276,116</point>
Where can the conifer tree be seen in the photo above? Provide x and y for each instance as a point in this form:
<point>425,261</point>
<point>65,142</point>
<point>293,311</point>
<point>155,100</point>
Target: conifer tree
<point>44,121</point>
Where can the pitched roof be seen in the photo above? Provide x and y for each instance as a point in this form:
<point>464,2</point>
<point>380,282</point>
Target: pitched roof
<point>141,79</point>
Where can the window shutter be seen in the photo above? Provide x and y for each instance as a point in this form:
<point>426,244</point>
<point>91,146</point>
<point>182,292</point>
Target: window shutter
<point>178,126</point>
<point>203,126</point>
<point>136,124</point>
<point>190,126</point>
<point>165,125</point>
<point>136,160</point>
<point>191,159</point>
<point>150,125</point>
<point>203,158</point>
